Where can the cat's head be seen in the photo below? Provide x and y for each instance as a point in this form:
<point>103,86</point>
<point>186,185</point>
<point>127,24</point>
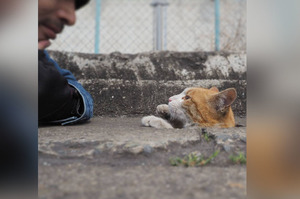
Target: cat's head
<point>207,107</point>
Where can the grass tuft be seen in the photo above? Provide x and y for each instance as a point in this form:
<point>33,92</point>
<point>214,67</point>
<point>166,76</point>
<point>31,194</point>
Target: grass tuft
<point>238,159</point>
<point>205,135</point>
<point>193,160</point>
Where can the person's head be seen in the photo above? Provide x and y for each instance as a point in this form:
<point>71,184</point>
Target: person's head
<point>53,16</point>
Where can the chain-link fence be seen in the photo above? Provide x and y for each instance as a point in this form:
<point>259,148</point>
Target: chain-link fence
<point>132,26</point>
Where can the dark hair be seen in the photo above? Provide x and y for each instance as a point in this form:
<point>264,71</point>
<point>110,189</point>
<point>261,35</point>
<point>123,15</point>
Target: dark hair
<point>80,3</point>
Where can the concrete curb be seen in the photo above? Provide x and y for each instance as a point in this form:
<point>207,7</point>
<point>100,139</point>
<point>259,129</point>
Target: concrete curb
<point>125,135</point>
<point>130,84</point>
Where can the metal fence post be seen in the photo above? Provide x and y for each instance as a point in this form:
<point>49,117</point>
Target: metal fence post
<point>159,23</point>
<point>165,17</point>
<point>217,25</point>
<point>97,26</point>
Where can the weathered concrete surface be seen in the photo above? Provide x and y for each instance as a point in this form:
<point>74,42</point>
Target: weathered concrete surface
<point>119,97</point>
<point>125,135</point>
<point>115,157</point>
<point>118,158</point>
<point>124,84</point>
<point>83,180</point>
<point>155,65</point>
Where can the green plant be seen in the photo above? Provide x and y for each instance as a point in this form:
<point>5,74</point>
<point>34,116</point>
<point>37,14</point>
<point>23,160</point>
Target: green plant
<point>206,137</point>
<point>193,160</point>
<point>238,159</point>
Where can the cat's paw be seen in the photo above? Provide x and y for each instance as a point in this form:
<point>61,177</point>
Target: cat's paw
<point>156,122</point>
<point>163,111</point>
<point>162,108</point>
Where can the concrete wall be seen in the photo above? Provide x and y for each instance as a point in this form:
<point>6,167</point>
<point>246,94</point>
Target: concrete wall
<point>130,84</point>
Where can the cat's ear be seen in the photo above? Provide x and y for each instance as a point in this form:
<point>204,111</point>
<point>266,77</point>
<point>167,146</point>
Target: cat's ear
<point>214,89</point>
<point>224,99</point>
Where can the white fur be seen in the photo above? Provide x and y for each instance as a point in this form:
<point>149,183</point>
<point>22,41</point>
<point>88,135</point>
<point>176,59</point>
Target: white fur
<point>156,122</point>
<point>162,108</point>
<point>176,112</point>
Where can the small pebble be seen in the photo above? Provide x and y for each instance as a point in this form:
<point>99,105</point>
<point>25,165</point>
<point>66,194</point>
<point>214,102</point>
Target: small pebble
<point>244,139</point>
<point>148,149</point>
<point>227,148</point>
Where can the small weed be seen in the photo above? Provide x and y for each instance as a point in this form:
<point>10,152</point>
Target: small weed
<point>238,159</point>
<point>205,135</point>
<point>192,160</point>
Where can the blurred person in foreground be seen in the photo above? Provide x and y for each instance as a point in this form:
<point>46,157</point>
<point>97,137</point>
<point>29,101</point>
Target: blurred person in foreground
<point>62,100</point>
<point>18,119</point>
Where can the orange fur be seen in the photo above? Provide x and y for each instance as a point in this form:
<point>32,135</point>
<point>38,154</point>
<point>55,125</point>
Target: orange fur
<point>209,107</point>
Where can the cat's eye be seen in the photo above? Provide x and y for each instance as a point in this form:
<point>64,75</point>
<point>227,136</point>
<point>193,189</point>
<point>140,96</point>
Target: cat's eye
<point>187,97</point>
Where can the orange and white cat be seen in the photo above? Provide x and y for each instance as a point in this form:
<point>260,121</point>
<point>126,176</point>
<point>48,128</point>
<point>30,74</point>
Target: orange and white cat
<point>205,107</point>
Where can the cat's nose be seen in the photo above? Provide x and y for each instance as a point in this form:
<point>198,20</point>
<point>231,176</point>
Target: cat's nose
<point>170,100</point>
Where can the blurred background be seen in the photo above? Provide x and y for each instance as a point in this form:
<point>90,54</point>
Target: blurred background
<point>132,26</point>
